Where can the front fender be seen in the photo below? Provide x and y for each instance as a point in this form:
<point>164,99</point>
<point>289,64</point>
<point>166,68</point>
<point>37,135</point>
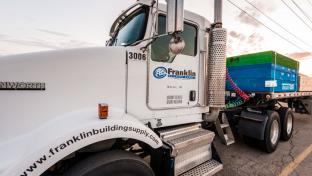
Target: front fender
<point>35,152</point>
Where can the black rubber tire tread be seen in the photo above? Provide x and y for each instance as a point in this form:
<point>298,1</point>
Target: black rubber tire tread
<point>115,162</point>
<point>266,143</point>
<point>284,112</point>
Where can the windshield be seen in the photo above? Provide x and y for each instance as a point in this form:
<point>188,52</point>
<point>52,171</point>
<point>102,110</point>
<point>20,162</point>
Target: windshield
<point>132,29</point>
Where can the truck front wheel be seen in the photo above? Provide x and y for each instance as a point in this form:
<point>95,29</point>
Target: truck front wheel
<point>272,132</point>
<point>116,162</point>
<point>287,121</point>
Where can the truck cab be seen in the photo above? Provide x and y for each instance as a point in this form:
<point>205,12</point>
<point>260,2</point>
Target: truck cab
<point>161,84</point>
<point>153,83</point>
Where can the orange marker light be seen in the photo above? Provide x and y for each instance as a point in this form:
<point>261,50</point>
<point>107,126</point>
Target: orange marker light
<point>103,110</point>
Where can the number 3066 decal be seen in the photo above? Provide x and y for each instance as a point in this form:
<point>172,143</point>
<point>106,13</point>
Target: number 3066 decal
<point>136,56</point>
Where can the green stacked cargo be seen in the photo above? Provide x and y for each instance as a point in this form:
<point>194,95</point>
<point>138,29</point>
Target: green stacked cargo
<point>262,58</point>
<point>264,72</point>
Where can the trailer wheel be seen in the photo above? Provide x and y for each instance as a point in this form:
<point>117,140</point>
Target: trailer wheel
<point>287,121</point>
<point>116,162</point>
<point>272,132</point>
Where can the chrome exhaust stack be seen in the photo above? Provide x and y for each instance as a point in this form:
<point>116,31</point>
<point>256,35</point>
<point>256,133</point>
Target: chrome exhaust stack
<point>218,12</point>
<point>216,65</point>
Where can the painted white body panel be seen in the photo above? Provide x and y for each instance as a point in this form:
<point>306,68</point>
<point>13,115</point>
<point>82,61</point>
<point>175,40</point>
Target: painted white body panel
<point>169,92</point>
<point>18,154</point>
<point>137,98</point>
<point>75,80</point>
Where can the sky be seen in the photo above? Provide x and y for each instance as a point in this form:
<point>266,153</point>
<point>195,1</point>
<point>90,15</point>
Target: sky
<point>39,25</point>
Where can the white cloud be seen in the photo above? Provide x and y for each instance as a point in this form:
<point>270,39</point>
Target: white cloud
<point>53,32</point>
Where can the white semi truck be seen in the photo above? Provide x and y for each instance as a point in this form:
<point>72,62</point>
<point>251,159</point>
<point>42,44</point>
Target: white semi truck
<point>142,105</point>
<point>135,107</point>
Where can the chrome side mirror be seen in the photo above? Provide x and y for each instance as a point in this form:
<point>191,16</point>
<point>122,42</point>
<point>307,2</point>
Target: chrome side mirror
<point>175,24</point>
<point>176,45</point>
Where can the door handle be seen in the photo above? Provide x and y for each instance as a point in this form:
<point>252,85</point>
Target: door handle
<point>192,95</point>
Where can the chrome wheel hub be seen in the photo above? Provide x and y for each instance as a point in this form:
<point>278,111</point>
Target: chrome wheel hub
<point>289,124</point>
<point>274,132</point>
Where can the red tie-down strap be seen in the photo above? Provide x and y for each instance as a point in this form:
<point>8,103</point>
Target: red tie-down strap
<point>235,87</point>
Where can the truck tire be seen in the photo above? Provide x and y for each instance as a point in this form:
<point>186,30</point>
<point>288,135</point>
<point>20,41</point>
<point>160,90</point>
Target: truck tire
<point>116,162</point>
<point>272,132</point>
<point>287,121</point>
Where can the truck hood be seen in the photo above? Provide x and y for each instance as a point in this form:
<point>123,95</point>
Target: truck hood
<point>37,87</point>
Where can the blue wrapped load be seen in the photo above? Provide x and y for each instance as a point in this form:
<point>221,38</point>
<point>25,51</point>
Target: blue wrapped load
<point>267,77</point>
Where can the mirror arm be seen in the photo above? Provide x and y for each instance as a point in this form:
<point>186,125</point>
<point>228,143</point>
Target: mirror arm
<point>151,38</point>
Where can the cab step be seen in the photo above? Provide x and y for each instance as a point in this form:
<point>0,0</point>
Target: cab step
<point>208,168</point>
<point>224,130</point>
<point>190,146</point>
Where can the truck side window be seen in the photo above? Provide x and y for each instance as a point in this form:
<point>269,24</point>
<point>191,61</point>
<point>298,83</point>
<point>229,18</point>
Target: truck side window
<point>132,29</point>
<point>160,47</point>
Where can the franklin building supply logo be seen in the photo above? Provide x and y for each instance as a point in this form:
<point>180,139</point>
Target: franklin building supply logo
<point>161,72</point>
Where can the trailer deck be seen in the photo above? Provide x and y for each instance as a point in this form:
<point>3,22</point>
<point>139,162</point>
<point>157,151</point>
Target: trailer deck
<point>273,95</point>
<point>289,95</point>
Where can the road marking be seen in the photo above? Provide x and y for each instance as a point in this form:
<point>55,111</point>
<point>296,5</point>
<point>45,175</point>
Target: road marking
<point>294,164</point>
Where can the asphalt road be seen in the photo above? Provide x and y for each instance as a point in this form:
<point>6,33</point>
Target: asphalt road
<point>240,159</point>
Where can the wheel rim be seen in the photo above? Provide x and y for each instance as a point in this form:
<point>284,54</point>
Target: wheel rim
<point>289,124</point>
<point>274,132</point>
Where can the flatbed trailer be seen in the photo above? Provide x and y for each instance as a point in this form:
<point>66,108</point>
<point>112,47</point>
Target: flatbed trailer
<point>266,116</point>
<point>283,95</point>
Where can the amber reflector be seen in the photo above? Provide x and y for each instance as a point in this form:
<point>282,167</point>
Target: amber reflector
<point>103,110</point>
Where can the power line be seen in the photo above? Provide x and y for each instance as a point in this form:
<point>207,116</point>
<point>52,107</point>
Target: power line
<point>278,24</point>
<point>296,15</point>
<point>276,33</point>
<point>302,11</point>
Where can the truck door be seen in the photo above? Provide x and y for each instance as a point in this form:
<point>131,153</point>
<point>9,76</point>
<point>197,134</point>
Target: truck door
<point>173,80</point>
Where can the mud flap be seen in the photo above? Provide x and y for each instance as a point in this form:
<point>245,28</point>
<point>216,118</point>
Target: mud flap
<point>252,124</point>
